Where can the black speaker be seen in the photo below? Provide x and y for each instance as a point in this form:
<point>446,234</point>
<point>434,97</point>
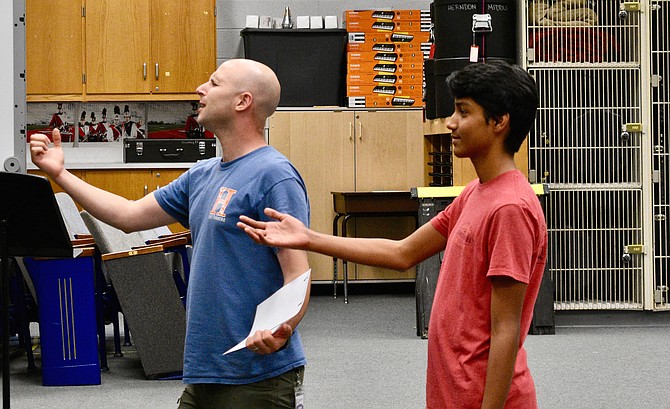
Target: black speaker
<point>489,24</point>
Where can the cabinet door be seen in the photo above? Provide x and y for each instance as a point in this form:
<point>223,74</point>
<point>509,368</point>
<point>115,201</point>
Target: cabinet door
<point>389,156</point>
<point>389,150</point>
<point>163,177</point>
<point>131,184</point>
<point>183,44</point>
<point>320,145</point>
<point>54,57</point>
<point>117,47</point>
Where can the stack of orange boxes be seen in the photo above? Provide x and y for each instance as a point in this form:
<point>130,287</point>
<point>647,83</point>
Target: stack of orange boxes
<point>385,56</point>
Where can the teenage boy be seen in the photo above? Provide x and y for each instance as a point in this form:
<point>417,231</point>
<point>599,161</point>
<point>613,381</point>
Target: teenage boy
<point>495,241</point>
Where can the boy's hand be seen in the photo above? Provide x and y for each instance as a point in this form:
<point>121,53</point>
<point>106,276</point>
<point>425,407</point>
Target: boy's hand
<point>287,232</point>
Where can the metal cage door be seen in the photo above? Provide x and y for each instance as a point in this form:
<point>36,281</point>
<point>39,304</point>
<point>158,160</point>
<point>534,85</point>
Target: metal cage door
<point>587,145</point>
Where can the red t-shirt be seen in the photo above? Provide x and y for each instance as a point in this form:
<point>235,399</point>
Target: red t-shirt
<point>493,229</point>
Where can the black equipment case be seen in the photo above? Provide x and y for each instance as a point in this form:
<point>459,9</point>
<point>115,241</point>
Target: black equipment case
<point>167,150</point>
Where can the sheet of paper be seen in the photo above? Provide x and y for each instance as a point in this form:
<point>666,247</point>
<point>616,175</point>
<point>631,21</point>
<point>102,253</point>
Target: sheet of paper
<point>281,306</point>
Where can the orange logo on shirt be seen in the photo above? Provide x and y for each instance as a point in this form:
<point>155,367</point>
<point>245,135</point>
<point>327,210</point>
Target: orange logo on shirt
<point>222,201</point>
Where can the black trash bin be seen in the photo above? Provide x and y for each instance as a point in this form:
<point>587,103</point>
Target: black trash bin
<point>310,63</point>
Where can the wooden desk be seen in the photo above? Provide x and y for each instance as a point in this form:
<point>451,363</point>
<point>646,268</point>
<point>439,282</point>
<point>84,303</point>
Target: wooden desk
<point>383,203</point>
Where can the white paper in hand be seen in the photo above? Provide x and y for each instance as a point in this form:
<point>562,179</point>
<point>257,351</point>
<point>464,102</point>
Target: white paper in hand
<point>280,307</point>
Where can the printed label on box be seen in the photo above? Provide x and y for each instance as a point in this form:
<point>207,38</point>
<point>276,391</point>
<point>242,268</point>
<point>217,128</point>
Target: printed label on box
<point>383,78</point>
<point>373,101</point>
<point>388,15</point>
<point>381,56</point>
<point>385,89</point>
<point>387,26</point>
<point>377,67</point>
<point>389,37</point>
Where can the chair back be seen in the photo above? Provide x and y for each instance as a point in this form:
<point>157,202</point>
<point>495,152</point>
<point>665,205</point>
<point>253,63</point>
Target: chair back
<point>108,238</point>
<point>73,221</point>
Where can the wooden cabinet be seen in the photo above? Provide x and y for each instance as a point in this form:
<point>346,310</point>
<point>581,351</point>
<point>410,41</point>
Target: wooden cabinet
<point>345,151</point>
<point>119,49</point>
<point>54,44</point>
<point>158,46</point>
<point>132,184</point>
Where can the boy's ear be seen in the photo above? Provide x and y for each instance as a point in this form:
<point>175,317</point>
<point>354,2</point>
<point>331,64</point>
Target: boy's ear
<point>502,122</point>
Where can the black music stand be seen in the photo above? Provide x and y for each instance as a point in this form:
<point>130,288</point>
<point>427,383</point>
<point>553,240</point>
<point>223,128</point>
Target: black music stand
<point>31,225</point>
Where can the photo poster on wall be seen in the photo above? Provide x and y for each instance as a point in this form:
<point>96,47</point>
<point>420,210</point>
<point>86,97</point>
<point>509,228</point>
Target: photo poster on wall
<point>110,121</point>
<point>87,122</point>
<point>43,117</point>
<point>175,120</point>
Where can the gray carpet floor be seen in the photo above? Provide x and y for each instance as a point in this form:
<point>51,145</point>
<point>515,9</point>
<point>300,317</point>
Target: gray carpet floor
<point>366,355</point>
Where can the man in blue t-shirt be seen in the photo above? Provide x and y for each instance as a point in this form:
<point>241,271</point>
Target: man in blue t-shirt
<point>230,274</point>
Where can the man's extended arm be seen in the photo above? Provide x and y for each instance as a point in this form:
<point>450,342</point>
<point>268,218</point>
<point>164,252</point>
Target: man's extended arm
<point>112,209</point>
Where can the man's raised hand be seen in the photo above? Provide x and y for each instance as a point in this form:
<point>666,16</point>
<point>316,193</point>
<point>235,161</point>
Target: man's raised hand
<point>49,159</point>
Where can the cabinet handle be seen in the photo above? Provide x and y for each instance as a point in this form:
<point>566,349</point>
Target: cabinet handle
<point>146,190</point>
<point>156,70</point>
<point>360,131</point>
<point>351,131</point>
<point>144,71</point>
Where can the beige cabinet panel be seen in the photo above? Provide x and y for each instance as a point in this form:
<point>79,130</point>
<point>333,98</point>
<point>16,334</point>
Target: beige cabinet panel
<point>389,150</point>
<point>320,145</point>
<point>352,151</point>
<point>389,156</point>
<point>54,44</point>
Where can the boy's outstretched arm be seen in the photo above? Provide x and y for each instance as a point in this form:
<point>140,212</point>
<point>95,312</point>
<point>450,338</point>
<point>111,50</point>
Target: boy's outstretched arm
<point>393,254</point>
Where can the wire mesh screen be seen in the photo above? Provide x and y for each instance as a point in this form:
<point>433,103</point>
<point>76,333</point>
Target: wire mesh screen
<point>660,74</point>
<point>582,31</point>
<point>580,136</point>
<point>587,145</point>
<point>588,234</point>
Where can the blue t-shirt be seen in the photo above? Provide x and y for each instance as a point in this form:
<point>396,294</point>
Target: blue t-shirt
<point>230,274</point>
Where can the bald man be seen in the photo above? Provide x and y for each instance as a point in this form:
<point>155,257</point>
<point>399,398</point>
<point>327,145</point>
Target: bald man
<point>230,274</point>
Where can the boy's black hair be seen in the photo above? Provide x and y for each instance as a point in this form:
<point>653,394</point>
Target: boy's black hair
<point>500,88</point>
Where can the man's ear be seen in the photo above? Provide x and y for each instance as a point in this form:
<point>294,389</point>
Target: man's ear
<point>244,101</point>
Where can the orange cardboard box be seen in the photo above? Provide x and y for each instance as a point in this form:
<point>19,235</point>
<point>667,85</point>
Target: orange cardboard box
<point>387,26</point>
<point>409,15</point>
<point>415,57</point>
<point>383,101</point>
<point>412,90</point>
<point>368,46</point>
<point>407,37</point>
<point>379,67</point>
<point>384,79</point>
